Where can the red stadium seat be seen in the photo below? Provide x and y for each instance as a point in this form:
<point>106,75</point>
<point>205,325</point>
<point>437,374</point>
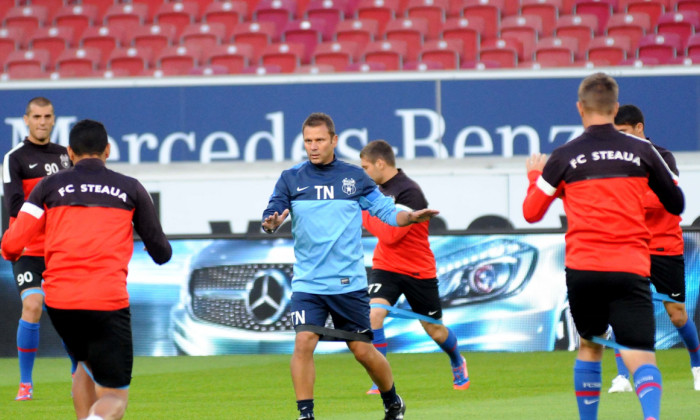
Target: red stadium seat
<point>381,11</point>
<point>203,35</point>
<point>468,31</point>
<point>433,11</point>
<point>11,39</point>
<point>178,60</point>
<point>359,31</point>
<point>602,9</point>
<point>526,29</point>
<point>78,62</point>
<point>688,6</point>
<point>632,25</point>
<point>151,6</point>
<point>447,52</point>
<point>609,50</point>
<point>502,51</point>
<point>105,39</point>
<point>682,24</point>
<point>132,60</point>
<point>557,52</point>
<point>547,10</point>
<point>256,34</point>
<point>307,32</point>
<point>287,56</point>
<point>51,6</point>
<point>581,27</point>
<point>331,12</point>
<point>488,10</point>
<point>28,18</point>
<point>126,16</point>
<point>693,46</point>
<point>413,31</point>
<point>227,13</point>
<point>235,57</point>
<point>78,17</point>
<point>338,54</point>
<point>662,47</point>
<point>389,53</point>
<point>640,62</point>
<point>33,62</point>
<point>156,37</point>
<point>101,5</point>
<point>651,8</point>
<point>180,15</point>
<point>52,39</point>
<point>278,12</point>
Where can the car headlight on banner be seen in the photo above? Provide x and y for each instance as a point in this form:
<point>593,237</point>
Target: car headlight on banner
<point>492,269</point>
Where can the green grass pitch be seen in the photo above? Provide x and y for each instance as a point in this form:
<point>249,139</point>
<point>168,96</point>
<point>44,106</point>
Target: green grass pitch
<point>508,386</point>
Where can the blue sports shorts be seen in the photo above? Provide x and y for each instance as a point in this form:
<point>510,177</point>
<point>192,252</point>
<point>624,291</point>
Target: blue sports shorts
<point>348,311</point>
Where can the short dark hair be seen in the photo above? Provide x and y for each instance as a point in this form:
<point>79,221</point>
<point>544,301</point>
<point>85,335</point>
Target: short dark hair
<point>598,93</point>
<point>88,137</point>
<point>38,101</point>
<point>378,149</point>
<point>318,118</point>
<point>629,115</point>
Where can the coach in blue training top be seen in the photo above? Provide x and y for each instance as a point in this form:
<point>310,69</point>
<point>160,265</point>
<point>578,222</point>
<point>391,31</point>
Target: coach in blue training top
<point>325,198</point>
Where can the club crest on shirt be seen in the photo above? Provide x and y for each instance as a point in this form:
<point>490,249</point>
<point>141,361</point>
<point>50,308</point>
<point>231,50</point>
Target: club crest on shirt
<point>349,187</point>
<point>65,161</point>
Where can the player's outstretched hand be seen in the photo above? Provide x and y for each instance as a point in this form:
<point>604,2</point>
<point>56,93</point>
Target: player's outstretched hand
<point>536,162</point>
<point>419,216</point>
<point>272,222</point>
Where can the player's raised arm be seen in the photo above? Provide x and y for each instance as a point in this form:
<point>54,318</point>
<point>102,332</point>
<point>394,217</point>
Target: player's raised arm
<point>540,193</point>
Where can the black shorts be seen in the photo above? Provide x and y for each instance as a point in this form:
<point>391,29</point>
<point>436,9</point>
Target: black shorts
<point>100,338</point>
<point>422,294</point>
<point>28,272</point>
<point>668,276</point>
<point>622,300</point>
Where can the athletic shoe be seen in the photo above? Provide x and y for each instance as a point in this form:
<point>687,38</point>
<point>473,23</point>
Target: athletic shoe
<point>620,384</point>
<point>696,377</point>
<point>460,376</point>
<point>25,392</point>
<point>306,417</point>
<point>374,390</point>
<point>395,411</point>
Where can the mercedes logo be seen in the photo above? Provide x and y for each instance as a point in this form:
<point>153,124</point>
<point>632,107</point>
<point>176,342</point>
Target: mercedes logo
<point>268,296</point>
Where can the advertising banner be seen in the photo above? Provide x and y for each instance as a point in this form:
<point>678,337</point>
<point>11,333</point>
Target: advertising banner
<point>421,116</point>
<point>231,296</point>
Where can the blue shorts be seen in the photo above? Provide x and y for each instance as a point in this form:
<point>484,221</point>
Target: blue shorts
<point>348,311</point>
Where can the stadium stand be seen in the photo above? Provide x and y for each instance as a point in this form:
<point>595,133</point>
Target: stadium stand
<point>132,60</point>
<point>178,60</point>
<point>476,34</point>
<point>78,62</point>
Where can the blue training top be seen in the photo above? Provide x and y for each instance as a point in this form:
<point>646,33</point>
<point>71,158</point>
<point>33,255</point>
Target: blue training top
<point>326,203</point>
